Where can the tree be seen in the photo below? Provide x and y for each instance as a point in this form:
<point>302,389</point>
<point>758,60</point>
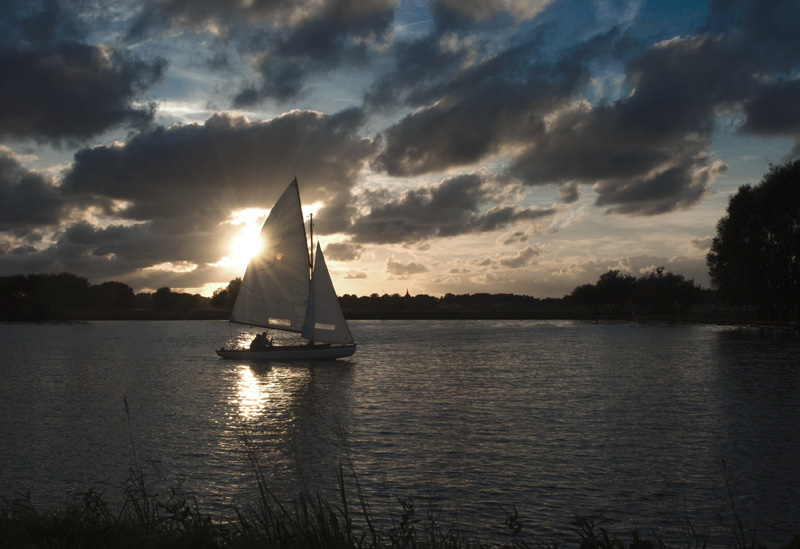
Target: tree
<point>43,296</point>
<point>224,298</point>
<point>112,296</point>
<point>614,289</point>
<point>586,296</point>
<point>163,299</point>
<point>662,292</point>
<point>755,257</point>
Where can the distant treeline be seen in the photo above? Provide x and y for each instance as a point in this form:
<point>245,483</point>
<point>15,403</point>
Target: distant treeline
<point>614,294</point>
<point>66,296</point>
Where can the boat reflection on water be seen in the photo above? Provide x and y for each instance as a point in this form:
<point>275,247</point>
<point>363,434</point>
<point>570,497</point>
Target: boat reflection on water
<point>287,414</point>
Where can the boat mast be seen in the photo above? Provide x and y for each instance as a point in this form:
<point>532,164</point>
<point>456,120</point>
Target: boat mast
<point>311,270</point>
<point>311,248</point>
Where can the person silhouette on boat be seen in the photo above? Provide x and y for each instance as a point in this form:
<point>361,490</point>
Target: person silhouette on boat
<point>260,342</point>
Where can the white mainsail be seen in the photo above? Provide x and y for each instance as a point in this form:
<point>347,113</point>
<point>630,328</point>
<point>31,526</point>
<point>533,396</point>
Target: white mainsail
<point>324,321</point>
<point>275,287</point>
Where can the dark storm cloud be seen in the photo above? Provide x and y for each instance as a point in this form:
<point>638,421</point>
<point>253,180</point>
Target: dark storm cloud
<point>57,88</point>
<point>28,200</point>
<point>675,188</point>
<point>126,252</point>
<point>497,103</point>
<point>197,174</point>
<point>764,34</point>
<point>633,148</point>
<point>775,109</point>
<point>452,208</point>
<point>137,246</point>
<point>175,186</point>
<point>645,152</point>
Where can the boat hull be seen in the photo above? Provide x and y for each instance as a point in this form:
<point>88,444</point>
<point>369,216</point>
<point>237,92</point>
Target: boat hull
<point>294,352</point>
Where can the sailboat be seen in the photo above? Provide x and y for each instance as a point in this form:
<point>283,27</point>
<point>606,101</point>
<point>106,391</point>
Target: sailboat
<point>285,288</point>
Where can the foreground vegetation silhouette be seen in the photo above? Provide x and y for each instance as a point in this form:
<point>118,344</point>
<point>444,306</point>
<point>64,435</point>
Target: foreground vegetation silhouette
<point>141,519</point>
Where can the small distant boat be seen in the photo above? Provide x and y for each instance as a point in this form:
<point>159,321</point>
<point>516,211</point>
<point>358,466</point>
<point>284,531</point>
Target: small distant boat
<point>285,288</point>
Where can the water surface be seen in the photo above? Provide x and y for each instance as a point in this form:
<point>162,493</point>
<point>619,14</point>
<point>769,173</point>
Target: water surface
<point>631,421</point>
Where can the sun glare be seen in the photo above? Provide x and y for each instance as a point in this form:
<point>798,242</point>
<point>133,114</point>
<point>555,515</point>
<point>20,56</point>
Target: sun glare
<point>246,244</point>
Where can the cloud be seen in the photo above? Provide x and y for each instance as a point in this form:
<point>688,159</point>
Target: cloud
<point>453,207</point>
<point>644,153</point>
<point>125,249</point>
<point>477,9</point>
<point>569,192</point>
<point>403,270</point>
<point>58,88</point>
<point>522,258</point>
<point>608,103</point>
<point>675,188</point>
<point>569,276</point>
<point>197,174</point>
<point>481,102</point>
<point>343,251</point>
<point>168,192</point>
<point>702,245</point>
<point>775,109</point>
<point>513,237</point>
<point>284,42</point>
<point>28,200</point>
<point>418,68</point>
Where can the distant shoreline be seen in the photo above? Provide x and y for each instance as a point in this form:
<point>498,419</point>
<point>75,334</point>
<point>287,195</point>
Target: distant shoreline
<point>694,316</point>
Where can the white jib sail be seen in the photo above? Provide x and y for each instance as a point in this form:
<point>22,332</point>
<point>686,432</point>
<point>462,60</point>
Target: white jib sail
<point>275,287</point>
<point>324,320</point>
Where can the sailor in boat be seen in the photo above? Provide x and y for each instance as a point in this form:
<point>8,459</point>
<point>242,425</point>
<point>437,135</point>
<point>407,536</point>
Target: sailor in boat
<point>260,342</point>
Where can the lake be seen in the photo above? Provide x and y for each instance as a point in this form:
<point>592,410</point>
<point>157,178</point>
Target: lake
<point>632,421</point>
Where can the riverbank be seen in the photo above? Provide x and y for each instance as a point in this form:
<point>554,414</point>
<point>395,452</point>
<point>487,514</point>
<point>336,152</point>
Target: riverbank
<point>144,519</point>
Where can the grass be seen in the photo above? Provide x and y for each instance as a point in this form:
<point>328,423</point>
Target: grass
<point>141,518</point>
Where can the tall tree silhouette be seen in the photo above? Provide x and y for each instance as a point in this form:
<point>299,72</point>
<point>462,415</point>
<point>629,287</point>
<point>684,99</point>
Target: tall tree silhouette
<point>754,260</point>
<point>225,298</point>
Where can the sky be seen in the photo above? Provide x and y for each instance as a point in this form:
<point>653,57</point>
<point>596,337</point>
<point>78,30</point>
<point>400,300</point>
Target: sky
<point>443,146</point>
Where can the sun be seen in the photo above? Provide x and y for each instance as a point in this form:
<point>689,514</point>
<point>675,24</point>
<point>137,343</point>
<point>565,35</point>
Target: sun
<point>245,245</point>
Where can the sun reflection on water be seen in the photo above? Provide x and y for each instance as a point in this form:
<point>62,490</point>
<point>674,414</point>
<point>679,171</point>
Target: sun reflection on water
<point>253,394</point>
